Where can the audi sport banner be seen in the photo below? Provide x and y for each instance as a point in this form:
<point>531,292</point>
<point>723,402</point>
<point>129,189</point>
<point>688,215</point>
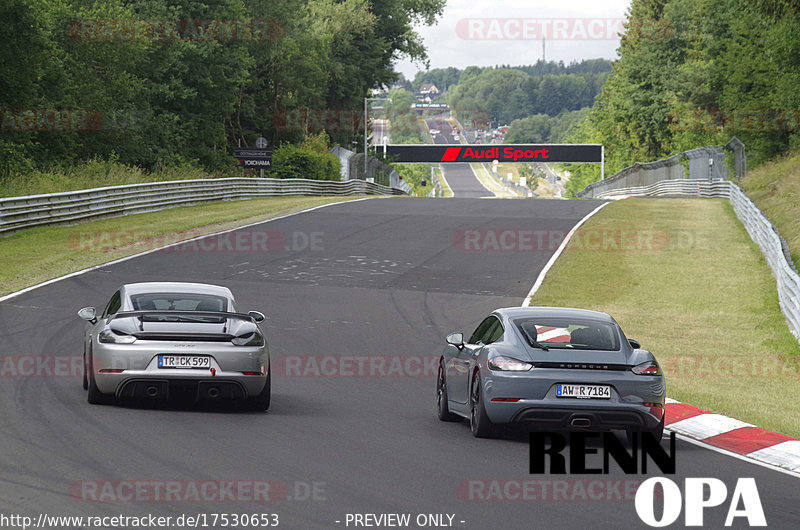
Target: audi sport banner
<point>499,152</point>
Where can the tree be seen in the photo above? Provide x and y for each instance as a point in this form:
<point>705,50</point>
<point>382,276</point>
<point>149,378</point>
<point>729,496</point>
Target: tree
<point>443,78</point>
<point>157,101</point>
<point>532,129</point>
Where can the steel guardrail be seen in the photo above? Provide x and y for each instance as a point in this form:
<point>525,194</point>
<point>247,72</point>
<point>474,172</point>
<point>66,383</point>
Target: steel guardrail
<point>682,187</point>
<point>17,213</point>
<point>760,229</point>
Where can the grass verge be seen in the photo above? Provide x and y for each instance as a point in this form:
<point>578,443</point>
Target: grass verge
<point>775,188</point>
<point>446,191</point>
<point>489,182</point>
<point>39,254</point>
<point>504,169</point>
<point>697,292</point>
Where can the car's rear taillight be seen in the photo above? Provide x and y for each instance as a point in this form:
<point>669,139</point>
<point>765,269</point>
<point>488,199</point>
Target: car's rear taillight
<point>647,368</point>
<point>505,400</point>
<point>110,336</point>
<point>111,370</point>
<point>501,362</point>
<point>252,373</point>
<point>253,338</point>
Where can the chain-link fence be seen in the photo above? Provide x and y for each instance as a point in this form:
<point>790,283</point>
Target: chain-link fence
<point>344,159</point>
<point>709,162</point>
<point>353,169</point>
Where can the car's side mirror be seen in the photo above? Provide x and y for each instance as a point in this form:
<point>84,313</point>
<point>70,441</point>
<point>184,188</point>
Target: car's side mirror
<point>257,316</point>
<point>634,344</point>
<point>456,339</point>
<point>88,313</point>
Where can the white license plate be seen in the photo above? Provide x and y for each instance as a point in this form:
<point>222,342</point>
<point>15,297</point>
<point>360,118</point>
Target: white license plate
<point>183,361</point>
<point>584,391</point>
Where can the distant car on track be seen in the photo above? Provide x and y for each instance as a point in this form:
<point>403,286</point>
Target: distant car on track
<point>159,340</point>
<point>550,368</point>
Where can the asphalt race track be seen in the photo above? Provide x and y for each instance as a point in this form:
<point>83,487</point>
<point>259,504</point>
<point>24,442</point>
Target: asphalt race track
<point>460,177</point>
<point>376,279</point>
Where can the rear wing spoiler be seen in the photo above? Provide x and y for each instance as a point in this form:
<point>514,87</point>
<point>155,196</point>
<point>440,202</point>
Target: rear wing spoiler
<point>173,312</point>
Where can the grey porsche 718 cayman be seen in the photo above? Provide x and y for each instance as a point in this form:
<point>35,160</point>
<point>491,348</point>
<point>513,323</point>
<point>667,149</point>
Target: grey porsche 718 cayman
<point>550,368</point>
<point>159,340</point>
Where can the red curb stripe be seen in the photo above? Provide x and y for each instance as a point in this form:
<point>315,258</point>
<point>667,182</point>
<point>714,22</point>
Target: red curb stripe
<point>745,440</point>
<point>681,411</point>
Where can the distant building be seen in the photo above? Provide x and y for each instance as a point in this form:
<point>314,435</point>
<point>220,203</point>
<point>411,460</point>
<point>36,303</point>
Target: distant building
<point>429,89</point>
<point>427,93</point>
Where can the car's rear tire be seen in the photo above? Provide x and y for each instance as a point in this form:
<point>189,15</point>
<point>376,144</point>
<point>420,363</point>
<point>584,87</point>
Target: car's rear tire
<point>95,397</point>
<point>442,409</point>
<point>260,402</point>
<point>479,422</point>
<point>85,372</point>
<point>657,432</point>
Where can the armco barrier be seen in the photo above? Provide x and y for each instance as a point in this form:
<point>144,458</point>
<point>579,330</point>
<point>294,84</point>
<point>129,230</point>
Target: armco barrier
<point>708,162</point>
<point>764,233</point>
<point>17,213</point>
<point>761,230</point>
<point>683,187</point>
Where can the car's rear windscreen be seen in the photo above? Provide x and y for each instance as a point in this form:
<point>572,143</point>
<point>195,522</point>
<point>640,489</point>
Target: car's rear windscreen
<point>178,302</point>
<point>569,333</point>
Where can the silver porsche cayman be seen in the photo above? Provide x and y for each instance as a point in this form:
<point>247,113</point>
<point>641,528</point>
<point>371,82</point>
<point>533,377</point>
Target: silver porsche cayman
<point>183,340</point>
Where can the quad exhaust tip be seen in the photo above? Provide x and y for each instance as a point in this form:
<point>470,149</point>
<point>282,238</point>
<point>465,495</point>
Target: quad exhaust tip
<point>152,391</point>
<point>213,392</point>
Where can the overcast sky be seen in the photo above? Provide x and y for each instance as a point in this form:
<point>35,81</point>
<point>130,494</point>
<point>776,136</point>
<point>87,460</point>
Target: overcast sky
<point>492,32</point>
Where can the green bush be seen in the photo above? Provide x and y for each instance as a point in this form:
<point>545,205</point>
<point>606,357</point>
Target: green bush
<point>310,160</point>
<point>95,173</point>
<point>414,175</point>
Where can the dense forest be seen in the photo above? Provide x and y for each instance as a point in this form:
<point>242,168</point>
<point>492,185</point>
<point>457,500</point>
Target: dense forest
<point>508,93</point>
<point>443,78</point>
<point>708,70</point>
<point>541,128</point>
<point>157,83</point>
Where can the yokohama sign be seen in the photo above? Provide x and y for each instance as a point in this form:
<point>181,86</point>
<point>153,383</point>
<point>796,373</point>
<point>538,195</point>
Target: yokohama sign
<point>499,152</point>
